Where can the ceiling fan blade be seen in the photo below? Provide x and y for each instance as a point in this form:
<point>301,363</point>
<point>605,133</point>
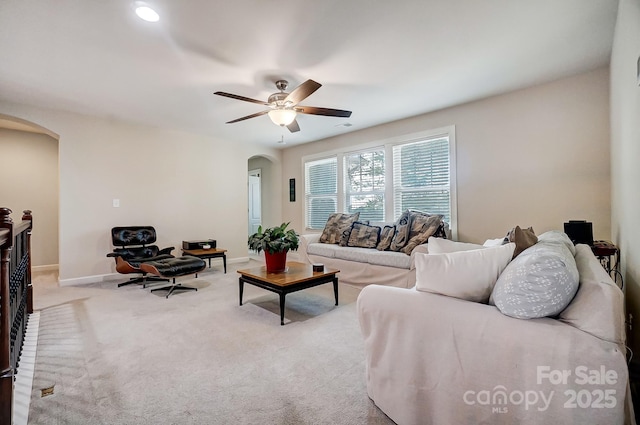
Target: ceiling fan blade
<point>302,92</point>
<point>323,111</point>
<point>246,99</point>
<point>293,127</point>
<point>257,114</point>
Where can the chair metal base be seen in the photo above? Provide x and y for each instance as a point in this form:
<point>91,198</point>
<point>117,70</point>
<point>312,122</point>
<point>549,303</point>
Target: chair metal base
<point>143,280</point>
<point>173,287</point>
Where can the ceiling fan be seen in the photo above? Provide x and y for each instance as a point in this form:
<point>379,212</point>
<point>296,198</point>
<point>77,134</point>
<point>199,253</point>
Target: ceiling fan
<point>283,106</point>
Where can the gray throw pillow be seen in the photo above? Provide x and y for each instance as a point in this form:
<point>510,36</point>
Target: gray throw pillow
<point>336,224</point>
<point>540,282</point>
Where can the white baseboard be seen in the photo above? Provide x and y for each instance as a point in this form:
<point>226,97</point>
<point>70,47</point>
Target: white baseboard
<point>238,260</point>
<point>85,280</point>
<point>45,268</point>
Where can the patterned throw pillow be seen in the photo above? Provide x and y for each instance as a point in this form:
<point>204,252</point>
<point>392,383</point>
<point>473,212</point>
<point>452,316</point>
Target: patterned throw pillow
<point>363,236</point>
<point>540,282</point>
<point>386,236</point>
<point>344,236</point>
<point>336,224</point>
<point>401,236</point>
<point>422,227</point>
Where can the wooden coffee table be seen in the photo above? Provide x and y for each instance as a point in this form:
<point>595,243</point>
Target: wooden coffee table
<point>296,277</point>
<point>208,254</point>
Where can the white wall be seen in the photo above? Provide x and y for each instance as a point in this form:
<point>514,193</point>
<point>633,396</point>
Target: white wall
<point>534,157</point>
<point>31,182</point>
<point>187,186</point>
<point>625,154</point>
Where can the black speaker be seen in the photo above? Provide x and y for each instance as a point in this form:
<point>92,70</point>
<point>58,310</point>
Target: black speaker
<point>198,244</point>
<point>579,231</point>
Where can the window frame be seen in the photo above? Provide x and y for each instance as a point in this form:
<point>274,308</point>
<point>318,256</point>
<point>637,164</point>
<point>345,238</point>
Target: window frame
<point>388,144</point>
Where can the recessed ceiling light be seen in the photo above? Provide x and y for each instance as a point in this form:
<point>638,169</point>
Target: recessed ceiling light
<point>146,13</point>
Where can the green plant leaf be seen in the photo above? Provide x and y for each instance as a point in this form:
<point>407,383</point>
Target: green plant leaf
<point>274,239</point>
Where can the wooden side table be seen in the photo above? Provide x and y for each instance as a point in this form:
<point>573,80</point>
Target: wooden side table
<point>208,254</point>
<point>605,251</point>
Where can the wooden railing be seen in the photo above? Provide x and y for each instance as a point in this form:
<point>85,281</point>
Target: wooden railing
<point>16,301</point>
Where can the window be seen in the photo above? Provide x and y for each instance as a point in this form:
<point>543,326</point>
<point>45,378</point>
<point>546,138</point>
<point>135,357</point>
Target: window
<point>364,184</point>
<point>421,177</point>
<point>381,180</point>
<point>321,191</point>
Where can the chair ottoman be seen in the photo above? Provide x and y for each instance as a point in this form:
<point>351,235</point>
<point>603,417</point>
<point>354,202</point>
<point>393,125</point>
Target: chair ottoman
<point>171,268</point>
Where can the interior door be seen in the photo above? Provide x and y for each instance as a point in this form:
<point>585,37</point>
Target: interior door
<point>255,201</point>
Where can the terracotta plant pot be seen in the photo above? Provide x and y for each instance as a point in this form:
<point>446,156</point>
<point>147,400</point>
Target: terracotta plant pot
<point>276,262</point>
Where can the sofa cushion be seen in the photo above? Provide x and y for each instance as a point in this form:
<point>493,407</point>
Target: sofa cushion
<point>469,275</point>
<point>336,224</point>
<point>360,255</point>
<point>523,238</point>
<point>386,236</point>
<point>389,259</point>
<point>540,282</point>
<point>363,235</point>
<point>444,246</point>
<point>322,249</point>
<point>422,227</point>
<point>596,290</point>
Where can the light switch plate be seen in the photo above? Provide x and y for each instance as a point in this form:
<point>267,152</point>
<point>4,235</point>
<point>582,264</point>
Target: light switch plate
<point>116,203</point>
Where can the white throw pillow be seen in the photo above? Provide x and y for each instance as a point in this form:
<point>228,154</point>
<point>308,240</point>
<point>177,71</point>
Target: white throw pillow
<point>469,275</point>
<point>444,246</point>
<point>493,242</point>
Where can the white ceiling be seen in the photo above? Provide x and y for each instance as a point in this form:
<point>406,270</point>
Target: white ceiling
<point>383,60</point>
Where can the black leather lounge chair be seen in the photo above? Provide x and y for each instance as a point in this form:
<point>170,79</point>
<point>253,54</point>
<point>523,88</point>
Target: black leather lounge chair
<point>134,246</point>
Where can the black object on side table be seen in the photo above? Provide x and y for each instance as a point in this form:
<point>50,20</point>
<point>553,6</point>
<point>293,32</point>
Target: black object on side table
<point>604,251</point>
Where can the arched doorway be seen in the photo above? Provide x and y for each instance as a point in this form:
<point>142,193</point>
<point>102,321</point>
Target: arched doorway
<point>32,152</point>
<point>262,181</point>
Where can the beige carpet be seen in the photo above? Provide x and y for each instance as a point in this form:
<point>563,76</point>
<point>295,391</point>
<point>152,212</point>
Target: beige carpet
<point>128,356</point>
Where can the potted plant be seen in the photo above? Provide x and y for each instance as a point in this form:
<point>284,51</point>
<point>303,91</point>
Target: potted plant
<point>275,242</point>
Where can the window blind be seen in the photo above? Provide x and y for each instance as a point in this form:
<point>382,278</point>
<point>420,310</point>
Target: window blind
<point>421,177</point>
<point>364,184</point>
<point>321,191</point>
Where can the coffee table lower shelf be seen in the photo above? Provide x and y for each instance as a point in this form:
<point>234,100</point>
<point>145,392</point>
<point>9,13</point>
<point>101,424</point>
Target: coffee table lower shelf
<point>298,276</point>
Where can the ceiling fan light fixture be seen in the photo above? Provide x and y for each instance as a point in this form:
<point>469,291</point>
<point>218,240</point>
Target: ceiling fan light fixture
<point>282,117</point>
<point>146,13</point>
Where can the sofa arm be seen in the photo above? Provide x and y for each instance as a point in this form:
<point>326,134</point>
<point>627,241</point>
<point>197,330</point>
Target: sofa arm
<point>305,240</point>
<point>425,353</point>
<point>310,238</point>
<point>422,249</point>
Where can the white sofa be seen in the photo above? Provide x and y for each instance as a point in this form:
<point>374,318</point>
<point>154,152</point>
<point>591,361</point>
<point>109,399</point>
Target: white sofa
<point>362,266</point>
<point>435,359</point>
